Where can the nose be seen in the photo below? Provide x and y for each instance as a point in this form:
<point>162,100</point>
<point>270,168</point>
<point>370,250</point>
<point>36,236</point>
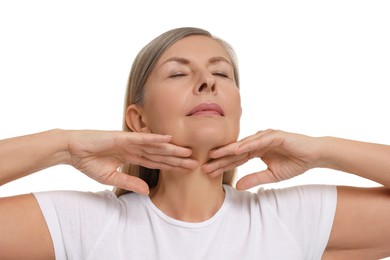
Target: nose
<point>206,84</point>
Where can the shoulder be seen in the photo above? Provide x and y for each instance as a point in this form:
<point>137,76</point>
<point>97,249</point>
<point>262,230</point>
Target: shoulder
<point>299,209</point>
<point>285,197</point>
<point>66,204</point>
<point>306,211</point>
<point>77,197</point>
<point>298,194</point>
<point>300,202</point>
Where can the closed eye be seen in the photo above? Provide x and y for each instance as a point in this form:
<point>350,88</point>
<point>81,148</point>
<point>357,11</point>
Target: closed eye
<point>178,75</point>
<point>221,74</point>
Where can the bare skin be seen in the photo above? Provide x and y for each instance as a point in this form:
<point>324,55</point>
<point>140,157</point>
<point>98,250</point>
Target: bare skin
<point>361,229</point>
<point>192,150</point>
<point>98,154</point>
<point>194,82</point>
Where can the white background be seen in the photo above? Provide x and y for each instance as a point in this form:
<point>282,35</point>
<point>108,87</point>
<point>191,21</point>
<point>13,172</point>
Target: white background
<point>313,67</point>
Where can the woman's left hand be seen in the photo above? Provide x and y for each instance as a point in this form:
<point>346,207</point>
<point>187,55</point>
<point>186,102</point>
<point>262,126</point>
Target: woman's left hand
<point>286,155</point>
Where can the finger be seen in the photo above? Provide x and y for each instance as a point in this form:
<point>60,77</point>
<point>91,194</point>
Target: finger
<point>260,142</point>
<point>255,179</point>
<point>234,148</point>
<point>222,163</point>
<point>145,162</point>
<point>147,138</point>
<point>127,182</point>
<point>229,167</point>
<point>224,151</point>
<point>167,149</point>
<point>187,163</point>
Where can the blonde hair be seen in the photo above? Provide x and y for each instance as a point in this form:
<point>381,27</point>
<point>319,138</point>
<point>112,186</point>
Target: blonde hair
<point>142,67</point>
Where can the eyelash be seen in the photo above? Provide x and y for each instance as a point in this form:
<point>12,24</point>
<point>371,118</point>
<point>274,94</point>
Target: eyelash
<point>220,74</point>
<point>177,75</point>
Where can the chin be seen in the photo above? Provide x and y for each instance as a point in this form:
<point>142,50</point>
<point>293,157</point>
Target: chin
<point>205,140</point>
<point>202,134</point>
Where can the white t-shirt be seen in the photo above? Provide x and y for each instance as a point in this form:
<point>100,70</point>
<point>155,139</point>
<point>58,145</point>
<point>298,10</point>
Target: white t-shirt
<point>292,223</point>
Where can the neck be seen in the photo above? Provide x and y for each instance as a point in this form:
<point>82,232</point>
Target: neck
<point>189,196</point>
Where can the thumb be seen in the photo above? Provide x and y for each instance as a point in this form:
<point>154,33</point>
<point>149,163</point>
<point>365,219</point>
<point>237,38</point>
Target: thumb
<point>254,179</point>
<point>128,182</point>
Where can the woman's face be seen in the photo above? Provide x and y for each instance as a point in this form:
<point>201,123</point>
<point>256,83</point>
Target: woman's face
<point>191,94</point>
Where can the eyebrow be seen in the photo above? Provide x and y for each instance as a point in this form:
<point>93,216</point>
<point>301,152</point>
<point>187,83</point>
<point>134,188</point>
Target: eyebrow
<point>185,61</point>
<point>219,59</point>
<point>176,59</point>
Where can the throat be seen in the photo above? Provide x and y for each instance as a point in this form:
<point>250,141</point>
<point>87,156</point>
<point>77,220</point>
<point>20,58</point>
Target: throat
<point>189,197</point>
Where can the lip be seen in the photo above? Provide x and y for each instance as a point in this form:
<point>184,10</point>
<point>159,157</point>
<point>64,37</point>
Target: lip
<point>206,109</point>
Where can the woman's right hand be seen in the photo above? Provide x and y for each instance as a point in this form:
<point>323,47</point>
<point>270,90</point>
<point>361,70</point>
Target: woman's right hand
<point>99,154</point>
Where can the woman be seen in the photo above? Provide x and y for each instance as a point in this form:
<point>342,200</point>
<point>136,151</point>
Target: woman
<point>180,146</point>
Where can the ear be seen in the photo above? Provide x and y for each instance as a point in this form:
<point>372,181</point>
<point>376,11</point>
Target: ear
<point>135,119</point>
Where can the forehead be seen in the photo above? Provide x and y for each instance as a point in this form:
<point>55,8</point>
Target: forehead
<point>195,46</point>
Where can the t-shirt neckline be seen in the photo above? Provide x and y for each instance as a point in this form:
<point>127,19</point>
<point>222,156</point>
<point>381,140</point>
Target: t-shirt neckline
<point>191,225</point>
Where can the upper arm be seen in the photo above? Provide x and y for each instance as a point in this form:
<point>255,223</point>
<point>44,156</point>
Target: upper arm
<point>361,228</point>
<point>23,230</point>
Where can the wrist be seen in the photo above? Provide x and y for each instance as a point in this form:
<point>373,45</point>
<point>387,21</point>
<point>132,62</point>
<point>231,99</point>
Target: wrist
<point>60,139</point>
<point>326,150</point>
<point>331,152</point>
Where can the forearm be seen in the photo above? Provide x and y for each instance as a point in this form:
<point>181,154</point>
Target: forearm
<point>21,156</point>
<point>368,160</point>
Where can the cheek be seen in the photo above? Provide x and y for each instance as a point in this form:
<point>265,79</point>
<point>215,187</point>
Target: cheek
<point>236,112</point>
<point>162,112</point>
<point>235,104</point>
